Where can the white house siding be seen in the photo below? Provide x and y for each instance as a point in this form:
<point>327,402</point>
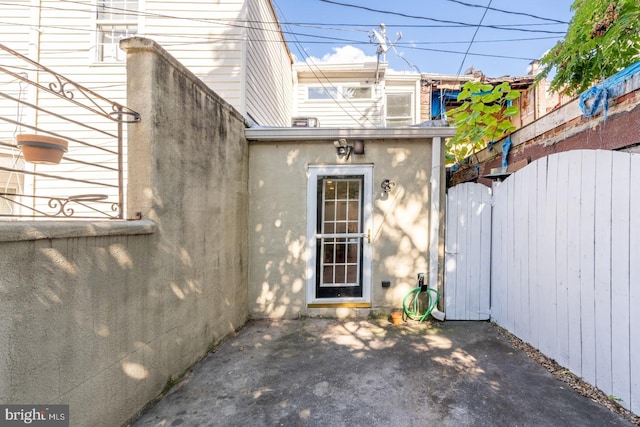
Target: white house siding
<point>340,112</point>
<point>14,33</point>
<point>269,74</point>
<point>208,38</point>
<point>66,43</point>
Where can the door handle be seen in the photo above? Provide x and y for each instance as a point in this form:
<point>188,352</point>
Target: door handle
<point>369,235</point>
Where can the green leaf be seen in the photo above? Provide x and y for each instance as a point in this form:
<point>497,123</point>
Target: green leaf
<point>510,111</point>
<point>599,42</point>
<point>493,109</point>
<point>510,96</point>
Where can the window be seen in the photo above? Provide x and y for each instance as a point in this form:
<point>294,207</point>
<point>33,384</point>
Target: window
<point>116,20</point>
<point>339,92</point>
<point>363,92</point>
<point>399,109</point>
<point>322,93</point>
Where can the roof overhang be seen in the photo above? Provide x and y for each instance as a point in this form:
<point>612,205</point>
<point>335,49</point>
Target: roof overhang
<point>328,134</point>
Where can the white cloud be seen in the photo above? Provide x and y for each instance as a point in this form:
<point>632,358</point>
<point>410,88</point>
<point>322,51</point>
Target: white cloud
<point>343,55</point>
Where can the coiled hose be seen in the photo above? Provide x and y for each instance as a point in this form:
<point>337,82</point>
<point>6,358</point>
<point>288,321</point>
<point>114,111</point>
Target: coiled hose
<point>411,303</point>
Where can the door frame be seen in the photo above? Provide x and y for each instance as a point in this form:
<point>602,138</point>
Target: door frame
<point>313,172</point>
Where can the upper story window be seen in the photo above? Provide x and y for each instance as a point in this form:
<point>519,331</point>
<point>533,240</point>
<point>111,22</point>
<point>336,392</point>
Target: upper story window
<point>322,93</point>
<point>358,92</point>
<point>399,109</point>
<point>339,92</point>
<point>115,20</point>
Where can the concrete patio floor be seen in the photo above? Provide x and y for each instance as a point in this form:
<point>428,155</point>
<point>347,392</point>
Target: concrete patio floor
<point>320,372</point>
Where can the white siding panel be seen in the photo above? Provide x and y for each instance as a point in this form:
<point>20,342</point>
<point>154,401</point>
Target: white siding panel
<point>269,80</point>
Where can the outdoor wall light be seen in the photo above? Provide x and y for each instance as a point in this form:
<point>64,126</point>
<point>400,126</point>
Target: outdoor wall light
<point>387,185</point>
<point>342,148</point>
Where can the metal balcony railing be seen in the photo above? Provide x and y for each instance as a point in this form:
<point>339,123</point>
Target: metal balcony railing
<point>88,182</point>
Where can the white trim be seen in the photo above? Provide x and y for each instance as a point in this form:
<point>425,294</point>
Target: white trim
<point>312,177</point>
<point>330,134</point>
<point>94,46</point>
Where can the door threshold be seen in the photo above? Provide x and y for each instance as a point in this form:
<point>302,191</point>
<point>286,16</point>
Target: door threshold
<point>340,305</point>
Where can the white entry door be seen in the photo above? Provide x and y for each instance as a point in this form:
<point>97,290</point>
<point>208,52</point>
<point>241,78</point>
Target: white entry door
<point>339,234</point>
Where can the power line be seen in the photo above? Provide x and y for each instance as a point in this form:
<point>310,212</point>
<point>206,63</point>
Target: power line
<point>330,40</point>
<point>443,21</point>
<point>473,38</point>
<point>293,34</point>
<point>339,104</point>
<point>509,12</point>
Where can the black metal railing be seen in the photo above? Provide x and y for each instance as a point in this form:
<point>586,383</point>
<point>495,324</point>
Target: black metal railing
<point>89,180</point>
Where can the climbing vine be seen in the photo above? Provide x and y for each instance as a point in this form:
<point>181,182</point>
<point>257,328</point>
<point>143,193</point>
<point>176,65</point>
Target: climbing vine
<point>603,38</point>
<point>482,117</point>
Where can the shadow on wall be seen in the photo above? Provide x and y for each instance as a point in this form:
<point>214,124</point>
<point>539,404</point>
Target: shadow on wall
<point>279,255</point>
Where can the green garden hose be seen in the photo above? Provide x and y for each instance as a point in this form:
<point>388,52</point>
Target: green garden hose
<point>411,303</point>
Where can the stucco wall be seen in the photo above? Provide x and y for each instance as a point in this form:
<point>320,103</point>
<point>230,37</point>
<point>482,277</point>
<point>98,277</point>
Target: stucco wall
<point>278,215</point>
<point>100,315</point>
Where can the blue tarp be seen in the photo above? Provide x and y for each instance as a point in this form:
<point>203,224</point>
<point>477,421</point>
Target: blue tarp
<point>438,99</point>
<point>597,97</point>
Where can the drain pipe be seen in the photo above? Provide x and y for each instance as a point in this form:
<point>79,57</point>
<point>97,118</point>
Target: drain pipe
<point>434,218</point>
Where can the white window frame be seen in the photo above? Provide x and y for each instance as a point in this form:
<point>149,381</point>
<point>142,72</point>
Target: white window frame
<point>116,56</point>
<point>409,118</point>
<point>340,91</point>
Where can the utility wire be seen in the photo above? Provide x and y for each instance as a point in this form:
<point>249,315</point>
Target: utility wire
<point>303,54</point>
<point>329,40</point>
<point>442,109</point>
<point>472,39</point>
<point>239,23</point>
<point>444,21</point>
<point>509,12</point>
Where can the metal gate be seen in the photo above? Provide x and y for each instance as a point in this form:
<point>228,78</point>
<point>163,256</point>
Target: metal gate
<point>467,273</point>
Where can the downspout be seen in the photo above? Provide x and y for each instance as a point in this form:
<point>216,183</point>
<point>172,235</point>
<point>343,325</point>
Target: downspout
<point>435,219</point>
<point>244,74</point>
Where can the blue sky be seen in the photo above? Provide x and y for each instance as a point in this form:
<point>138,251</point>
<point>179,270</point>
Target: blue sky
<point>434,37</point>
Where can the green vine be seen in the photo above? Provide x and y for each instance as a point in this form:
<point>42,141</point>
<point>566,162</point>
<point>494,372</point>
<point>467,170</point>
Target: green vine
<point>483,116</point>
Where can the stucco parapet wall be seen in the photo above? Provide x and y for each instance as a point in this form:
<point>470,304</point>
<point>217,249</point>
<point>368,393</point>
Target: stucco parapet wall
<point>37,230</point>
<point>134,44</point>
<point>301,134</point>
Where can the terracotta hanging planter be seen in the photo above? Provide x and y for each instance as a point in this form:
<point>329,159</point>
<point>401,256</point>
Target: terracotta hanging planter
<point>42,149</point>
<point>396,317</point>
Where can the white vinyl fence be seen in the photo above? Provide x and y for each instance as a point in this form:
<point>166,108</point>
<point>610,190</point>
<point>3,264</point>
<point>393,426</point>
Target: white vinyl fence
<point>565,265</point>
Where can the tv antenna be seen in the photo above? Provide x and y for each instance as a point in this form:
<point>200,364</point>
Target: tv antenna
<point>379,37</point>
<point>384,44</point>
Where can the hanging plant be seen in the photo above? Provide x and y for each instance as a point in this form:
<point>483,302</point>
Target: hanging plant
<point>42,149</point>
